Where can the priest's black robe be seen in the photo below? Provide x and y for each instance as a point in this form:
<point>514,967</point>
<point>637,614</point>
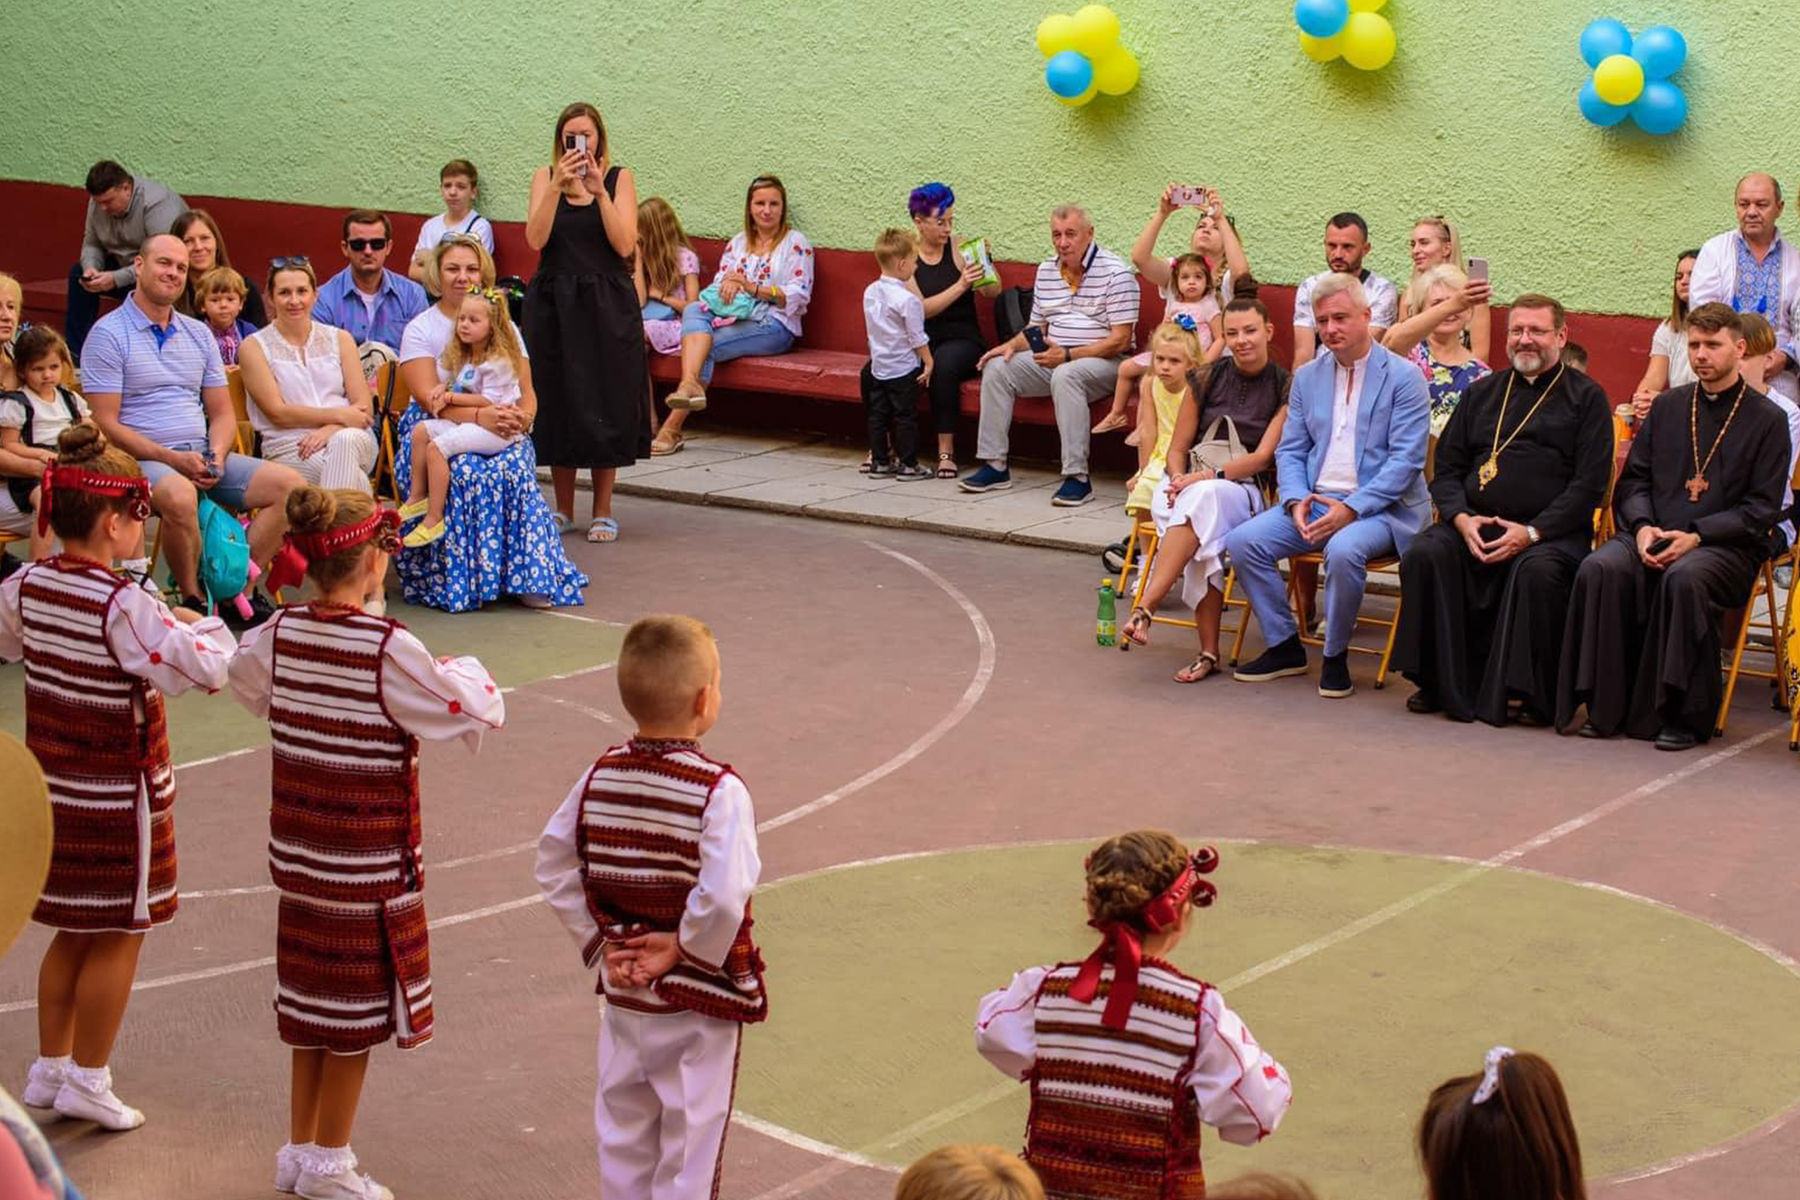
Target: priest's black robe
<point>1641,647</point>
<point>1479,634</point>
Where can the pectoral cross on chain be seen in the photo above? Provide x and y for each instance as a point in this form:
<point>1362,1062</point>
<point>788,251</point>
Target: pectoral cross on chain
<point>1695,487</point>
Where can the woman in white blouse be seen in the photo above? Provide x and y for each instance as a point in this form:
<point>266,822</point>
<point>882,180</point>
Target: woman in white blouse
<point>1669,366</point>
<point>308,397</point>
<point>770,264</point>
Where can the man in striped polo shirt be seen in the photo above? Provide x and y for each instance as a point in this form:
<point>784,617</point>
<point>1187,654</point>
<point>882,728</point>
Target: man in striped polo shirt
<point>1083,307</point>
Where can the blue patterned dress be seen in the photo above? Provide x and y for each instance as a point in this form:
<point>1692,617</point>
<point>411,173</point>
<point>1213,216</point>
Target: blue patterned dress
<point>1445,383</point>
<point>499,538</point>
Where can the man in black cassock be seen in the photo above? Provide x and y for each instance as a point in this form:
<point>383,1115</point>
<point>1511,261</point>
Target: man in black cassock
<point>1699,494</point>
<point>1519,471</point>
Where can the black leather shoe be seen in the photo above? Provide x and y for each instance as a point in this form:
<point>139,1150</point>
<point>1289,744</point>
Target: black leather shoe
<point>1334,677</point>
<point>1589,730</point>
<point>1423,701</point>
<point>1287,658</point>
<point>1676,737</point>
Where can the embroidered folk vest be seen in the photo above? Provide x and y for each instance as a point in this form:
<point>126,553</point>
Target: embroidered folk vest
<point>1111,1111</point>
<point>344,808</point>
<point>639,839</point>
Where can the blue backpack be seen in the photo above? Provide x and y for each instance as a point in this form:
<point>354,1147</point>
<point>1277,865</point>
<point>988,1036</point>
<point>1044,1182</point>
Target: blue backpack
<point>224,554</point>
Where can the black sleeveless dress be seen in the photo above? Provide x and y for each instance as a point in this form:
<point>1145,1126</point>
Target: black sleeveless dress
<point>585,333</point>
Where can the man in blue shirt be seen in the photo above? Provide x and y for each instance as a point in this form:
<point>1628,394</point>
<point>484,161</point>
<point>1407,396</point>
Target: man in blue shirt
<point>157,389</point>
<point>366,298</point>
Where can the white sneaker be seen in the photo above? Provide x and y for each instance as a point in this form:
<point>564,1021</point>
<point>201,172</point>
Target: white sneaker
<point>44,1081</point>
<point>287,1166</point>
<point>330,1174</point>
<point>87,1095</point>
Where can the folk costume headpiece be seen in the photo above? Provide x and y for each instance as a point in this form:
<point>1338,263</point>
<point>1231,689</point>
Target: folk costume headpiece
<point>72,478</point>
<point>299,549</point>
<point>1123,943</point>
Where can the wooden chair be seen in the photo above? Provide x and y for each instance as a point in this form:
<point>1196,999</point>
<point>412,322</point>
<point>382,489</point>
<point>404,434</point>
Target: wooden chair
<point>240,405</point>
<point>391,399</point>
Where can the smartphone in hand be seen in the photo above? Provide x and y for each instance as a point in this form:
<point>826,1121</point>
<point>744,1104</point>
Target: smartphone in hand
<point>1034,337</point>
<point>1478,270</point>
<point>1188,196</point>
<point>1658,546</point>
<point>579,142</point>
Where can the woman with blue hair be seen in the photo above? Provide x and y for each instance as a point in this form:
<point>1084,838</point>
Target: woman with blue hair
<point>946,282</point>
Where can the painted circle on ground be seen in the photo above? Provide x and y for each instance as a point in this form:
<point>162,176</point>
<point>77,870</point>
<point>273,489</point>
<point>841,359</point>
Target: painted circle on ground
<point>1670,1035</point>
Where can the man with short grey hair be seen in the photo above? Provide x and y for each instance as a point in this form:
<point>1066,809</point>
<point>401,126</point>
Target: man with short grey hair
<point>1084,305</point>
<point>1753,269</point>
<point>124,211</point>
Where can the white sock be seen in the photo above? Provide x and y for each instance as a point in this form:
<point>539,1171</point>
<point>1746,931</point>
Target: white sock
<point>95,1081</point>
<point>326,1160</point>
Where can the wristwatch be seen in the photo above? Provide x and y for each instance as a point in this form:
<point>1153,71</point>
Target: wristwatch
<point>1531,531</point>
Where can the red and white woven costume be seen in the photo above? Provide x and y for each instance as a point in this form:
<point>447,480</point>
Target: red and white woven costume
<point>658,837</point>
<point>1117,1112</point>
<point>348,696</point>
<point>99,654</point>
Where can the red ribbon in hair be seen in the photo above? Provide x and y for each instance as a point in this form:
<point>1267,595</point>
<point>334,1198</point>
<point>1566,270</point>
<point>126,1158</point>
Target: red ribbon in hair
<point>1123,944</point>
<point>78,479</point>
<point>288,568</point>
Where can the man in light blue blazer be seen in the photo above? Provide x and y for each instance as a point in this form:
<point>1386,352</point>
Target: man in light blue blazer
<point>1350,469</point>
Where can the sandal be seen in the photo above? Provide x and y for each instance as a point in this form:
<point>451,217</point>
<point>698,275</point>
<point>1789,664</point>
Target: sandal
<point>1136,626</point>
<point>946,467</point>
<point>603,529</point>
<point>681,403</point>
<point>563,523</point>
<point>664,444</point>
<point>1110,422</point>
<point>1199,669</point>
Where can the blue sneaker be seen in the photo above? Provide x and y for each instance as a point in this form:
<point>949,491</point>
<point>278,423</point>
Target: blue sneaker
<point>1073,493</point>
<point>986,479</point>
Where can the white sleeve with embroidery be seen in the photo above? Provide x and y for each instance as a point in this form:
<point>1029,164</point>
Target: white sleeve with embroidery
<point>729,869</point>
<point>559,873</point>
<point>151,644</point>
<point>1240,1089</point>
<point>1006,1024</point>
<point>253,669</point>
<point>439,699</point>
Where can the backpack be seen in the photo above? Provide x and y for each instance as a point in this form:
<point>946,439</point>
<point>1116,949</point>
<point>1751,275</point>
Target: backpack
<point>1012,312</point>
<point>224,554</point>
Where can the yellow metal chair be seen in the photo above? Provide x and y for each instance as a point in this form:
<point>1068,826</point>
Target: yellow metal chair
<point>1776,625</point>
<point>1145,540</point>
<point>1302,610</point>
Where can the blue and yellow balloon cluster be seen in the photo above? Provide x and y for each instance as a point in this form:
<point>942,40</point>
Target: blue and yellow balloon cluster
<point>1352,29</point>
<point>1631,78</point>
<point>1084,55</point>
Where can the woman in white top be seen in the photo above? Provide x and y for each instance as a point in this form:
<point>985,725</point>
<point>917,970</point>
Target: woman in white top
<point>308,397</point>
<point>1669,366</point>
<point>771,264</point>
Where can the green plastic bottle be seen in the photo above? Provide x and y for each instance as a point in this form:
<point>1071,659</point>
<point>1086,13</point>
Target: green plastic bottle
<point>1106,621</point>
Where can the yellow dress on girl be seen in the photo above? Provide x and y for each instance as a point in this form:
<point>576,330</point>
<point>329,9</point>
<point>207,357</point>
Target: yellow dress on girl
<point>1168,403</point>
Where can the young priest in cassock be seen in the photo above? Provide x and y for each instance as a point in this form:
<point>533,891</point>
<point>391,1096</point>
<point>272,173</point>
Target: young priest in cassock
<point>1696,501</point>
<point>1519,470</point>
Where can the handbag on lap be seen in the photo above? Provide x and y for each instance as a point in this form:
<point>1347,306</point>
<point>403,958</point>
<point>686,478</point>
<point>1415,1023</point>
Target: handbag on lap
<point>1214,449</point>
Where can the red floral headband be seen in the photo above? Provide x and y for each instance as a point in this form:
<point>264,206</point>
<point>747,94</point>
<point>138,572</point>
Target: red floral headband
<point>1124,946</point>
<point>299,549</point>
<point>135,489</point>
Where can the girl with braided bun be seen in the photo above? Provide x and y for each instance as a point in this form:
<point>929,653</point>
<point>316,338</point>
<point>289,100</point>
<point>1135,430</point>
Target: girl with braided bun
<point>1504,1133</point>
<point>348,696</point>
<point>1127,1056</point>
<point>100,652</point>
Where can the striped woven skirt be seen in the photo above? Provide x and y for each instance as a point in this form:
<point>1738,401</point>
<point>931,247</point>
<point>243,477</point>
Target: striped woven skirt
<point>350,976</point>
<point>112,859</point>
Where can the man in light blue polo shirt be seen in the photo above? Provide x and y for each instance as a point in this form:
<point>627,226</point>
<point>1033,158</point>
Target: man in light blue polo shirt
<point>372,302</point>
<point>156,386</point>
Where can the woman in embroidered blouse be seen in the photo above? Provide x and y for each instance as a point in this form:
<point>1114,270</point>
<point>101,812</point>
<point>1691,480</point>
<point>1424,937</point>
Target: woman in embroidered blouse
<point>770,266</point>
<point>308,397</point>
<point>1432,338</point>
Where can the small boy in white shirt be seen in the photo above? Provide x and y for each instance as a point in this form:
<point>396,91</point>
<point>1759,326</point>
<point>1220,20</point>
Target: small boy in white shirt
<point>459,183</point>
<point>899,358</point>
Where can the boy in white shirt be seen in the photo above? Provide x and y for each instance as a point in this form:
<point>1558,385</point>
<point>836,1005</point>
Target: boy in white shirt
<point>899,358</point>
<point>459,183</point>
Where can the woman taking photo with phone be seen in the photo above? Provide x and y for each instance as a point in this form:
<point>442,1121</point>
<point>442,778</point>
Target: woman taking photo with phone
<point>582,321</point>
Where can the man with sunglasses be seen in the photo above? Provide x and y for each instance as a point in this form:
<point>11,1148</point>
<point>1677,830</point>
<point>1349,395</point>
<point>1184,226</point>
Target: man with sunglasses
<point>366,298</point>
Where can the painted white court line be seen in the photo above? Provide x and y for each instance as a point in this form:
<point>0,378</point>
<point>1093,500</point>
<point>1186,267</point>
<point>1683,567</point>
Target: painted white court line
<point>984,673</point>
<point>586,710</point>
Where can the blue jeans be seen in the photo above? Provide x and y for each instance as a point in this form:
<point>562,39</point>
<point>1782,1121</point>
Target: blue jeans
<point>765,335</point>
<point>1258,546</point>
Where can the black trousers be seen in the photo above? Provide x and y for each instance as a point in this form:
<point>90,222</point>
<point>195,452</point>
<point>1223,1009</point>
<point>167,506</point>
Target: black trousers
<point>893,408</point>
<point>1641,647</point>
<point>952,363</point>
<point>84,309</point>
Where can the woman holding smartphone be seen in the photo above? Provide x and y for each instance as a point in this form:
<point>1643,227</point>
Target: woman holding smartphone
<point>582,322</point>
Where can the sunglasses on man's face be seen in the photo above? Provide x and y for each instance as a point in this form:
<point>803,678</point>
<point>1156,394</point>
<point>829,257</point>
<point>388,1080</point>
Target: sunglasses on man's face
<point>361,244</point>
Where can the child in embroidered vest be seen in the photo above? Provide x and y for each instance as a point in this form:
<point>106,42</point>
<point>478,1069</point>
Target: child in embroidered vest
<point>32,418</point>
<point>650,862</point>
<point>348,695</point>
<point>1503,1134</point>
<point>1126,1055</point>
<point>487,367</point>
<point>104,747</point>
<point>968,1173</point>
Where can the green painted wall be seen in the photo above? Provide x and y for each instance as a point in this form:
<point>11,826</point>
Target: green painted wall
<point>343,103</point>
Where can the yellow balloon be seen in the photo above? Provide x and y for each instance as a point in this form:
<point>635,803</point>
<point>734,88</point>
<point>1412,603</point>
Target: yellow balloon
<point>1055,33</point>
<point>1322,49</point>
<point>1368,41</point>
<point>1077,101</point>
<point>1096,29</point>
<point>1619,79</point>
<point>1357,6</point>
<point>1116,72</point>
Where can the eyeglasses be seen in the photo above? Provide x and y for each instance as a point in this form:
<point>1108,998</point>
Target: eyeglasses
<point>361,244</point>
<point>455,238</point>
<point>292,260</point>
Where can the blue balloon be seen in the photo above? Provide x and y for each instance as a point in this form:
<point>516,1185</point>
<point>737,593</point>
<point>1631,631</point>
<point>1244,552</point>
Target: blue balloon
<point>1322,18</point>
<point>1660,51</point>
<point>1068,74</point>
<point>1597,110</point>
<point>1661,109</point>
<point>1603,39</point>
